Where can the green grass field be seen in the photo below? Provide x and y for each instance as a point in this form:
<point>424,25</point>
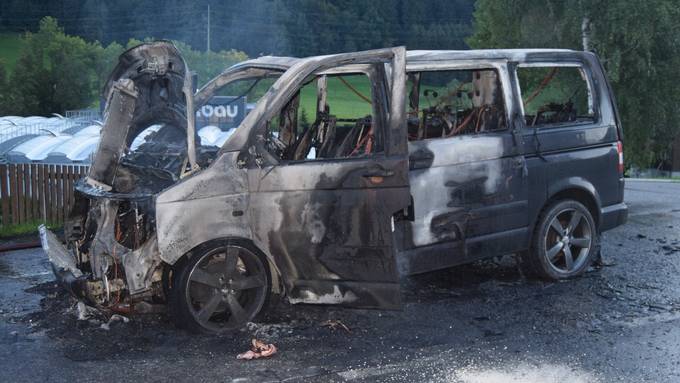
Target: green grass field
<point>10,48</point>
<point>344,102</point>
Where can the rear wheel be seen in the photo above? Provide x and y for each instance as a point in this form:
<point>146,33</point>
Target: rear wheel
<point>564,243</point>
<point>221,287</point>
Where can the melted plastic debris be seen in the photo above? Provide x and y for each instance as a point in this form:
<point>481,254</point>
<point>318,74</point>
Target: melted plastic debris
<point>258,350</point>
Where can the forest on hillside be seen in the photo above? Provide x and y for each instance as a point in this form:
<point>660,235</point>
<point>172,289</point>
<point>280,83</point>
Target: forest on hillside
<point>256,27</point>
<point>636,42</point>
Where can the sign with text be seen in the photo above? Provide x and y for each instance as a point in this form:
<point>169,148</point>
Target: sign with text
<point>225,112</point>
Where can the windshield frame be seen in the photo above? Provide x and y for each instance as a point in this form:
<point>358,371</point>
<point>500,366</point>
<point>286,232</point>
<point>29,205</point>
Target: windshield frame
<point>253,69</point>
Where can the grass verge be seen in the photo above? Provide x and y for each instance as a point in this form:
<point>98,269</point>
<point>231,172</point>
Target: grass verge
<point>23,229</point>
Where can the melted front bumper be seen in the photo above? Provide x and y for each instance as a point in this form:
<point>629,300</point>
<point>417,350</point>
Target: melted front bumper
<point>63,264</point>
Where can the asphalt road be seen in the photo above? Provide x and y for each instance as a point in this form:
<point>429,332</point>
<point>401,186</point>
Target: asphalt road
<point>476,323</point>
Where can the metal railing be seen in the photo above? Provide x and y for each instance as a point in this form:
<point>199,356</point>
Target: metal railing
<point>10,131</point>
<point>86,115</point>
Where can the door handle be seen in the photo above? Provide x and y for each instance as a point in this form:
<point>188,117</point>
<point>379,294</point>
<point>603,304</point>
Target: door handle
<point>378,173</point>
<point>421,157</point>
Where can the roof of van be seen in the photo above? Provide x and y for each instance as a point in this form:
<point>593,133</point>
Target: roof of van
<point>481,54</point>
<point>282,62</point>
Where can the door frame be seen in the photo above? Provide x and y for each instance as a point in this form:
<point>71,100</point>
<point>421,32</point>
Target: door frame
<point>326,274</point>
<point>438,255</point>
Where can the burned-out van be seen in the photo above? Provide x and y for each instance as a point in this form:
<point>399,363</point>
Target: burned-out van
<point>349,172</point>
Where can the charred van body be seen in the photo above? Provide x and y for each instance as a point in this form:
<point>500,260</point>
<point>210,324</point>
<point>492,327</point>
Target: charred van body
<point>441,158</point>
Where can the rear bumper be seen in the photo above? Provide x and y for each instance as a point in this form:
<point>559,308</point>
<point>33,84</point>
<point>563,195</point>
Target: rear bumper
<point>613,215</point>
<point>63,264</point>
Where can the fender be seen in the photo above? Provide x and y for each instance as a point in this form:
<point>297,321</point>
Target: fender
<point>575,183</point>
<point>210,204</point>
<point>217,195</point>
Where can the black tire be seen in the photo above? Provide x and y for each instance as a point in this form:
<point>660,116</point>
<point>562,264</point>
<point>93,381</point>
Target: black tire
<point>564,243</point>
<point>219,287</point>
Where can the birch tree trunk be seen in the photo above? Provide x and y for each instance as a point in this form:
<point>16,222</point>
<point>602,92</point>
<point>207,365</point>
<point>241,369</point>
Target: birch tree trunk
<point>585,33</point>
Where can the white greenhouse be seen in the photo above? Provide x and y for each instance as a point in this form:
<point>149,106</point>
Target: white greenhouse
<point>62,140</point>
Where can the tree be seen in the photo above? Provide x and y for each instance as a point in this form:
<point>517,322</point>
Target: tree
<point>636,41</point>
<point>209,64</point>
<point>257,27</point>
<point>107,58</point>
<point>55,72</point>
<point>5,94</point>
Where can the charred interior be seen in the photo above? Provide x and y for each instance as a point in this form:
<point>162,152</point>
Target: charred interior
<point>293,136</point>
<point>450,103</point>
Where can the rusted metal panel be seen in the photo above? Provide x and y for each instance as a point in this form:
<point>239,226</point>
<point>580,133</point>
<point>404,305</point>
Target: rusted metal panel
<point>43,186</point>
<point>68,189</point>
<point>26,192</point>
<point>35,193</point>
<point>21,196</point>
<point>61,191</point>
<point>14,192</point>
<point>54,193</point>
<point>4,195</point>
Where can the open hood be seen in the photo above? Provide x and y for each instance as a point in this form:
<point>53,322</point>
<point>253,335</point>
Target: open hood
<point>149,91</point>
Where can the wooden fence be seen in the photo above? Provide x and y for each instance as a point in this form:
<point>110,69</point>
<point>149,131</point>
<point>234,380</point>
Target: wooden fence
<point>37,192</point>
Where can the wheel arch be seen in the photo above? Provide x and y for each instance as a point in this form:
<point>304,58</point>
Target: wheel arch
<point>274,271</point>
<point>575,188</point>
<point>582,196</point>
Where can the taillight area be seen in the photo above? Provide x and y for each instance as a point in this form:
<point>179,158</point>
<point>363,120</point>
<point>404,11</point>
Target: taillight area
<point>619,149</point>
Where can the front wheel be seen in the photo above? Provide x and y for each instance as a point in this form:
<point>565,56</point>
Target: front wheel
<point>564,243</point>
<point>221,287</point>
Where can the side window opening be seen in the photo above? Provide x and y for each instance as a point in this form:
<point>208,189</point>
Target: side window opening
<point>330,117</point>
<point>555,95</point>
<point>445,104</point>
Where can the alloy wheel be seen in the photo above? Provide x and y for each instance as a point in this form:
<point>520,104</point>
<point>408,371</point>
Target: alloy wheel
<point>568,240</point>
<point>227,287</point>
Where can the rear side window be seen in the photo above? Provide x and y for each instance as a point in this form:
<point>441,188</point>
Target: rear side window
<point>453,103</point>
<point>555,95</point>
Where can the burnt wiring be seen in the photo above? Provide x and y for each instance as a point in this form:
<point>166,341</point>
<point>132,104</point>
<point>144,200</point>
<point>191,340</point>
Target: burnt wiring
<point>250,88</point>
<point>558,110</point>
<point>457,129</point>
<point>354,90</point>
<point>545,82</point>
<point>118,234</point>
<point>365,141</point>
<point>474,119</point>
<point>451,94</point>
<point>121,237</point>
